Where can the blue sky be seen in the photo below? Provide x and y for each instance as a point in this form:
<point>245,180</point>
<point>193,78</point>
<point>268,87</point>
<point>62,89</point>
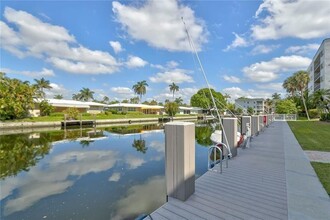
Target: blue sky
<point>247,48</point>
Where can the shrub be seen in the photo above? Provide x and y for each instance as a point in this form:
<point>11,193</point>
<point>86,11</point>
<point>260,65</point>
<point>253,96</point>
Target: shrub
<point>113,111</point>
<point>86,114</point>
<point>45,108</point>
<point>72,113</point>
<point>108,113</point>
<point>171,108</point>
<point>313,113</point>
<point>325,117</point>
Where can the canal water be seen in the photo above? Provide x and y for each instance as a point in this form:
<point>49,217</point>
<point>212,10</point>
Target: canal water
<point>109,173</point>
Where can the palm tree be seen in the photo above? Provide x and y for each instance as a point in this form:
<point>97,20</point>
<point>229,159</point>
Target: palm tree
<point>179,101</point>
<point>289,85</point>
<point>59,96</point>
<point>105,99</point>
<point>321,99</point>
<point>134,100</point>
<point>174,88</point>
<point>269,103</point>
<point>140,88</point>
<point>41,85</point>
<point>301,79</point>
<point>86,94</point>
<point>276,96</point>
<point>76,96</point>
<point>227,96</point>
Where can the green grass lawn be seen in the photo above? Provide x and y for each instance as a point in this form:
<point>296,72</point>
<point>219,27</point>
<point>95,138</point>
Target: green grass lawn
<point>312,135</point>
<point>91,117</point>
<point>323,172</point>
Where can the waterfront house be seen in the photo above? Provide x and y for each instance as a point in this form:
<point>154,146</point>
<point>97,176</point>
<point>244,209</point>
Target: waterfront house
<point>128,107</point>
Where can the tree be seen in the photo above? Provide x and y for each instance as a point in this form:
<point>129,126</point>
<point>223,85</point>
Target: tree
<point>140,88</point>
<point>171,108</point>
<point>173,88</point>
<point>16,98</point>
<point>58,96</point>
<point>45,108</point>
<point>239,111</point>
<point>227,96</point>
<point>289,85</point>
<point>153,102</point>
<point>203,99</point>
<point>41,85</point>
<point>301,79</point>
<point>85,94</point>
<point>276,96</point>
<point>286,106</point>
<point>321,99</point>
<point>250,110</point>
<point>135,100</point>
<point>125,101</point>
<point>76,96</point>
<point>269,104</point>
<point>105,99</point>
<point>179,101</point>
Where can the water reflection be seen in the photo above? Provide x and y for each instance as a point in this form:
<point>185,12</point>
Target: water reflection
<point>91,174</point>
<point>140,145</point>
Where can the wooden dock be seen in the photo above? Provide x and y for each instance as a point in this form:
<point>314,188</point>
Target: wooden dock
<point>71,123</point>
<point>259,184</point>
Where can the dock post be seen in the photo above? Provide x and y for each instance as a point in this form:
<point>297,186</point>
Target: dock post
<point>245,120</point>
<point>180,159</point>
<point>230,127</point>
<point>261,122</point>
<point>254,125</point>
<point>80,120</point>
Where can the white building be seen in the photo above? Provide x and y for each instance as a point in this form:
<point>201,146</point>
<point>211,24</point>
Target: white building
<point>128,107</point>
<point>319,69</point>
<point>257,104</point>
<point>189,110</point>
<point>62,104</point>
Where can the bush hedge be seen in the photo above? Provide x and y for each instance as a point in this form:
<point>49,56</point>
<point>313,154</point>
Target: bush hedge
<point>325,117</point>
<point>313,113</point>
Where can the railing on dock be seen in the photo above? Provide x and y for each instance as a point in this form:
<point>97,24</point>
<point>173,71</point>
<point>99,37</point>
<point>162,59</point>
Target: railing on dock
<point>285,117</point>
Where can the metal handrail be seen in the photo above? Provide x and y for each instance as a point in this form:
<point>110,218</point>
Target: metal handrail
<point>212,165</point>
<point>215,148</point>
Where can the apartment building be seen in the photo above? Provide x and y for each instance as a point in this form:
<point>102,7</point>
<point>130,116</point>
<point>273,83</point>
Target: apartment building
<point>319,69</point>
<point>258,104</point>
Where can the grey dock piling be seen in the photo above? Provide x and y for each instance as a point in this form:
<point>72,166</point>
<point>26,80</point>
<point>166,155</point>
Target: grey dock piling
<point>180,159</point>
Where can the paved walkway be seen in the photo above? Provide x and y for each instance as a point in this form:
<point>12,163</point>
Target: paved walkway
<point>318,156</point>
<point>273,179</point>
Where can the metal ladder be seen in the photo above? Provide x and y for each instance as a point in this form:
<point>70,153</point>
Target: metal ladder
<point>212,165</point>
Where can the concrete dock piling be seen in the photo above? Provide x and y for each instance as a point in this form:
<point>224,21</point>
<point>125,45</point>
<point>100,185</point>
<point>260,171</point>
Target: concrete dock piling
<point>180,159</point>
<point>230,127</point>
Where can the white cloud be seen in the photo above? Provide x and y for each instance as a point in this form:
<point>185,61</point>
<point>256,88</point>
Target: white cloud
<point>134,162</point>
<point>58,89</point>
<point>61,174</point>
<point>266,71</point>
<point>301,19</point>
<point>116,46</point>
<point>238,42</point>
<point>121,90</point>
<point>115,177</point>
<point>303,49</point>
<point>271,86</point>
<point>236,92</point>
<point>144,201</point>
<point>263,49</point>
<point>36,74</point>
<point>134,62</point>
<point>169,76</point>
<point>29,36</point>
<point>159,24</point>
<point>232,79</point>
